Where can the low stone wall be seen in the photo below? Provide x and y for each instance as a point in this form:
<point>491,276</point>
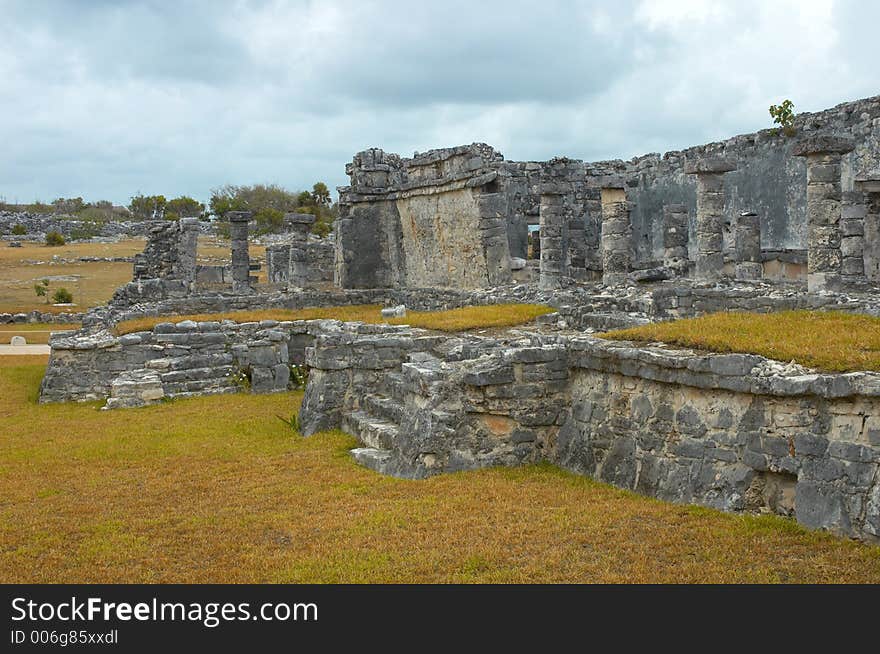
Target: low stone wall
<point>40,316</point>
<point>185,358</point>
<point>735,432</point>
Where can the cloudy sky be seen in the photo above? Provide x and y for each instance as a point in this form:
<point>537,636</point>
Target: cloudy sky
<point>107,98</point>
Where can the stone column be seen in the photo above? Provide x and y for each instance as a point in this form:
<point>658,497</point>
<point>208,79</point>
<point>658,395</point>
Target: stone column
<point>616,236</point>
<point>552,216</point>
<point>747,245</point>
<point>675,238</point>
<point>869,184</point>
<point>710,214</point>
<point>824,258</point>
<point>300,224</point>
<point>187,247</point>
<point>238,232</point>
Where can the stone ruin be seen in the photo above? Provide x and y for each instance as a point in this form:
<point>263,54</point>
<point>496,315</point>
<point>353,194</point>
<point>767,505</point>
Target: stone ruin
<point>760,222</point>
<point>167,269</point>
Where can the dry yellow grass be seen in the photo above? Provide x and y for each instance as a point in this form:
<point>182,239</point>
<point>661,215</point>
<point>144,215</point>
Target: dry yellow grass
<point>217,489</point>
<point>453,320</point>
<point>832,341</point>
<point>34,333</point>
<point>95,281</point>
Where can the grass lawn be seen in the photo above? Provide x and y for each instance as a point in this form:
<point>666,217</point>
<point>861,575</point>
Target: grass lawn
<point>217,489</point>
<point>95,281</point>
<point>827,340</point>
<point>452,320</point>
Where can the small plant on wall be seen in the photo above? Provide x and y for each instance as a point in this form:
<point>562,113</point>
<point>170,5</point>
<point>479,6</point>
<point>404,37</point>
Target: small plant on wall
<point>299,376</point>
<point>241,377</point>
<point>783,115</point>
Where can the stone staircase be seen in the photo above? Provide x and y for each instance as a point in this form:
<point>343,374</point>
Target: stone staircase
<point>179,380</point>
<point>376,424</point>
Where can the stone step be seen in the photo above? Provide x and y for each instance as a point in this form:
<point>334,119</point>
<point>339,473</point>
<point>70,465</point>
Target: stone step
<point>371,431</point>
<point>386,462</point>
<point>196,374</point>
<point>376,459</point>
<point>384,407</point>
<point>202,393</point>
<point>394,386</point>
<point>200,386</point>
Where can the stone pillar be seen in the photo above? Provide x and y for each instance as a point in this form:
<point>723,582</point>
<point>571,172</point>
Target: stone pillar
<point>300,225</point>
<point>675,238</point>
<point>552,215</point>
<point>853,212</point>
<point>238,232</point>
<point>710,214</point>
<point>187,247</point>
<point>824,259</point>
<point>747,244</point>
<point>869,184</point>
<point>616,236</point>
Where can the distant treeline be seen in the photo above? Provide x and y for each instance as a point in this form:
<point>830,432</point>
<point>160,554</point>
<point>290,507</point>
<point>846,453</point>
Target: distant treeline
<point>268,202</point>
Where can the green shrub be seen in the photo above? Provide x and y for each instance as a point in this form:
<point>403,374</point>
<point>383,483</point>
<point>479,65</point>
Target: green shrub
<point>299,377</point>
<point>19,230</point>
<point>321,228</point>
<point>783,115</point>
<point>269,220</point>
<point>54,239</point>
<point>42,289</point>
<point>39,207</point>
<point>62,296</point>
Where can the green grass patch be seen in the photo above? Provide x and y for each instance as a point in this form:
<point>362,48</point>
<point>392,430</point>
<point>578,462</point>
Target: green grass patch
<point>828,340</point>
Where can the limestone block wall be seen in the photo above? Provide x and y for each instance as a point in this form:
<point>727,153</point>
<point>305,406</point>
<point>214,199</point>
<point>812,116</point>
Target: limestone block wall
<point>736,432</point>
<point>768,179</point>
<point>438,219</point>
<point>319,262</point>
<point>188,358</point>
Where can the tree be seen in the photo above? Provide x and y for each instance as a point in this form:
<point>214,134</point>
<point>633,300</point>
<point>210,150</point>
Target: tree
<point>268,220</point>
<point>184,207</point>
<point>62,296</point>
<point>42,289</point>
<point>783,115</point>
<point>54,239</point>
<point>68,205</point>
<point>251,198</point>
<point>19,230</point>
<point>147,207</point>
<point>321,194</point>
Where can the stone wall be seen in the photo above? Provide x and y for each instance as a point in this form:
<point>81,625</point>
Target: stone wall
<point>185,358</point>
<point>438,219</point>
<point>319,263</point>
<point>735,432</point>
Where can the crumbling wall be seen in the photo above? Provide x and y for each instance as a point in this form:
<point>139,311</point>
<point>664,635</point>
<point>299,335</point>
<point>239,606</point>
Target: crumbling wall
<point>768,180</point>
<point>438,219</point>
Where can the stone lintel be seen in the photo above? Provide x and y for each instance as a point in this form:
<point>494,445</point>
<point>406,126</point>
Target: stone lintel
<point>709,166</point>
<point>823,144</point>
<point>299,218</point>
<point>239,216</point>
<point>868,182</point>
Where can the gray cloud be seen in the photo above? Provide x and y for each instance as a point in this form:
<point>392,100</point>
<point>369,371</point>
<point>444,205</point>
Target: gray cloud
<point>103,99</point>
